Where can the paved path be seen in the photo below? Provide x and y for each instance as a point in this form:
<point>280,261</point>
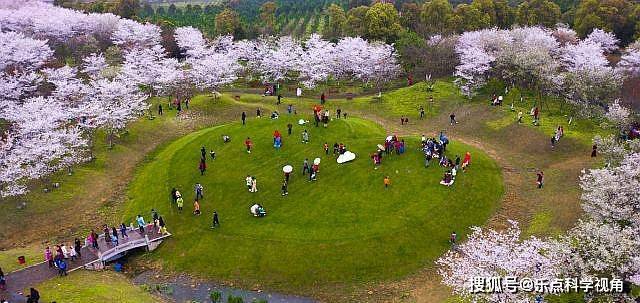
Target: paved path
<point>22,279</point>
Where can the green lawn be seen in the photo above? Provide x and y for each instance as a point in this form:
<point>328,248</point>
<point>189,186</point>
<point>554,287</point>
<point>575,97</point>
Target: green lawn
<point>343,228</point>
<point>90,286</point>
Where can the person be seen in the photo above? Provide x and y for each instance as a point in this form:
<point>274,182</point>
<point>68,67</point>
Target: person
<point>553,141</point>
<point>289,128</point>
<point>196,207</point>
<point>141,224</point>
<point>457,165</point>
<point>519,117</point>
<point>447,180</point>
<point>452,119</point>
<point>453,238</point>
<point>78,247</point>
<point>344,115</point>
<point>94,239</point>
<point>213,154</point>
<point>594,151</point>
<point>248,182</point>
<point>48,256</point>
<point>114,232</point>
<point>387,182</point>
<point>326,148</point>
<point>254,185</point>
<point>279,99</point>
<point>216,221</point>
<point>421,112</point>
<point>305,167</point>
<point>180,203</point>
<point>114,240</point>
<point>105,230</point>
<point>226,139</point>
<point>284,188</point>
<point>203,153</point>
<point>298,92</point>
<point>163,226</point>
<point>3,280</point>
<point>338,111</point>
<point>73,254</point>
<point>258,113</point>
<point>174,197</point>
<point>540,179</point>
<point>160,109</point>
<point>466,161</point>
<point>65,251</point>
<point>248,144</point>
<point>62,266</point>
<point>199,193</point>
<point>305,136</point>
<point>287,176</point>
<point>322,98</point>
<point>34,295</point>
<point>244,118</point>
<point>123,230</point>
<point>202,167</point>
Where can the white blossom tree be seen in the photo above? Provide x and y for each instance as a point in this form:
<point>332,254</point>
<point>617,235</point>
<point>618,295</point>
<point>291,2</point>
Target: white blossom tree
<point>500,254</point>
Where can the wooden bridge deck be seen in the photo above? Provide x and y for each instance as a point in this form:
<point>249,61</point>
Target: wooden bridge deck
<point>20,280</point>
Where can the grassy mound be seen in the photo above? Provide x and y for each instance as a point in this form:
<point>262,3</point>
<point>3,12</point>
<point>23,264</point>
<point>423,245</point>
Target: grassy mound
<point>344,227</point>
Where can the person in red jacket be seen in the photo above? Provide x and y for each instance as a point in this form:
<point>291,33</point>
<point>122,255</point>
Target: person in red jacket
<point>248,144</point>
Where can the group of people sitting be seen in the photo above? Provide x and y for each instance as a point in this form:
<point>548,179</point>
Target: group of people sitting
<point>257,210</point>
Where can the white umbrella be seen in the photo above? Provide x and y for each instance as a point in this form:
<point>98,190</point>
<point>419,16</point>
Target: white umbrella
<point>346,157</point>
<point>316,161</point>
<point>301,122</point>
<point>287,168</point>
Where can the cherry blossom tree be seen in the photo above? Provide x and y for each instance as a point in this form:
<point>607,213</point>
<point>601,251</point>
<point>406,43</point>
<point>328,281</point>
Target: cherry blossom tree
<point>131,34</point>
<point>93,65</point>
<point>606,40</point>
<point>501,254</point>
<point>630,60</point>
<point>318,61</point>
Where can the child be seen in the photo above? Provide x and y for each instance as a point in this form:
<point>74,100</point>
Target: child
<point>180,203</point>
<point>387,182</point>
<point>248,181</point>
<point>216,222</point>
<point>284,188</point>
<point>326,148</point>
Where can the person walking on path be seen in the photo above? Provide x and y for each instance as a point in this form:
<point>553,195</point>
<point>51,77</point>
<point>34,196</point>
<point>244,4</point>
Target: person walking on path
<point>248,144</point>
<point>216,221</point>
<point>78,245</point>
<point>62,267</point>
<point>553,141</point>
<point>453,238</point>
<point>123,231</point>
<point>387,182</point>
<point>160,109</point>
<point>94,239</point>
<point>594,151</point>
<point>421,112</point>
<point>196,208</point>
<point>540,179</point>
<point>284,188</point>
<point>452,119</point>
<point>141,224</point>
<point>244,118</point>
<point>48,256</point>
<point>279,99</point>
<point>199,191</point>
